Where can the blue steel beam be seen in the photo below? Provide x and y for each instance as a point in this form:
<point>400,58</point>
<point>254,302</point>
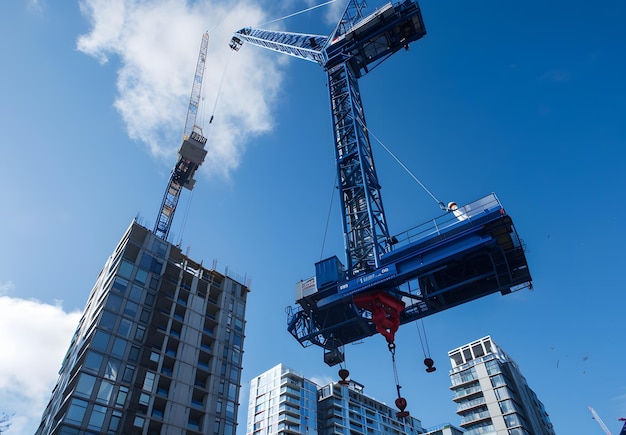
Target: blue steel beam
<point>302,46</point>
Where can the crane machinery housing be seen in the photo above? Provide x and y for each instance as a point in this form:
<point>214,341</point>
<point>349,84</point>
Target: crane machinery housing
<point>387,280</point>
<point>191,153</point>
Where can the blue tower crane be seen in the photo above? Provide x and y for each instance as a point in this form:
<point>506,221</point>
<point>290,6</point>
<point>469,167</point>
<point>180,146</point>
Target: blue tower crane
<point>388,280</point>
<point>191,153</point>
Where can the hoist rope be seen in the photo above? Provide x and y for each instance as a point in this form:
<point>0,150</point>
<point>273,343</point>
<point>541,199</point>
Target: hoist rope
<point>392,349</point>
<point>330,207</point>
<point>424,342</point>
<point>183,223</point>
<point>439,203</point>
<point>297,13</point>
<point>219,88</point>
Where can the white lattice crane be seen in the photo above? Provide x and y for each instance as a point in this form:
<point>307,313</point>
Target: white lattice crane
<point>190,155</point>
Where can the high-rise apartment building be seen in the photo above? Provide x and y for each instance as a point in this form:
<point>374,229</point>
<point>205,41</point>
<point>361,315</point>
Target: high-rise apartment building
<point>491,393</point>
<point>445,429</point>
<point>158,348</point>
<point>281,401</point>
<point>284,402</point>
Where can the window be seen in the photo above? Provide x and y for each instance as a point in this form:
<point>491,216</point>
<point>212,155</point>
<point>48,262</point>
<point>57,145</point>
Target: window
<point>115,422</point>
<point>159,248</point>
<point>114,302</point>
<point>97,417</point>
<point>139,333</point>
<point>131,309</point>
<point>144,399</point>
<point>232,391</point>
<point>136,292</point>
<point>230,409</point>
<point>128,374</point>
<point>150,299</point>
<point>100,340</point>
<point>107,321</point>
<point>498,380</point>
<point>139,421</point>
<point>133,355</point>
<point>154,356</point>
<point>141,276</point>
<point>145,316</point>
<point>125,270</point>
<point>119,347</point>
<point>92,361</point>
<point>512,420</point>
<point>76,411</point>
<point>85,384</point>
<point>105,392</point>
<point>124,328</point>
<point>112,369</point>
<point>122,394</point>
<point>120,284</point>
<point>148,382</point>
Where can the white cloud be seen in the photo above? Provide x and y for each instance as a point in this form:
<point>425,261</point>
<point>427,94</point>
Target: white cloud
<point>6,288</point>
<point>34,339</point>
<point>155,44</point>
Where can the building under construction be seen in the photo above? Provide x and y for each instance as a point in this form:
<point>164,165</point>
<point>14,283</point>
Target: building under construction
<point>158,348</point>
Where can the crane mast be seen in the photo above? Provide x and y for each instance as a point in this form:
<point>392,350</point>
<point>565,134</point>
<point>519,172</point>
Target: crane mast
<point>191,153</point>
<point>387,280</point>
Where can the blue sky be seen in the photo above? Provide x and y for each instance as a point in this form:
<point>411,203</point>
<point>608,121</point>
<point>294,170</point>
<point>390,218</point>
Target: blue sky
<point>523,99</point>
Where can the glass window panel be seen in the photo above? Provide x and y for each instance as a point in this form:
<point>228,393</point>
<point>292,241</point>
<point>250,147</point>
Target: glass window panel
<point>144,399</point>
<point>124,328</point>
<point>139,333</point>
<point>114,302</point>
<point>154,283</point>
<point>100,340</point>
<point>146,261</point>
<point>97,417</point>
<point>120,284</point>
<point>145,316</point>
<point>76,411</point>
<point>230,409</point>
<point>148,381</point>
<point>139,421</point>
<point>133,355</point>
<point>141,276</point>
<point>125,269</point>
<point>114,423</point>
<point>128,373</point>
<point>119,347</point>
<point>232,391</point>
<point>149,299</point>
<point>107,321</point>
<point>85,384</point>
<point>131,309</point>
<point>136,293</point>
<point>92,361</point>
<point>154,356</point>
<point>112,369</point>
<point>122,394</point>
<point>105,392</point>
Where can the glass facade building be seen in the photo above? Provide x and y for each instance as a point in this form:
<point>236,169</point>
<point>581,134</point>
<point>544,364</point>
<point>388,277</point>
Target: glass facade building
<point>158,348</point>
<point>491,393</point>
<point>284,402</point>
